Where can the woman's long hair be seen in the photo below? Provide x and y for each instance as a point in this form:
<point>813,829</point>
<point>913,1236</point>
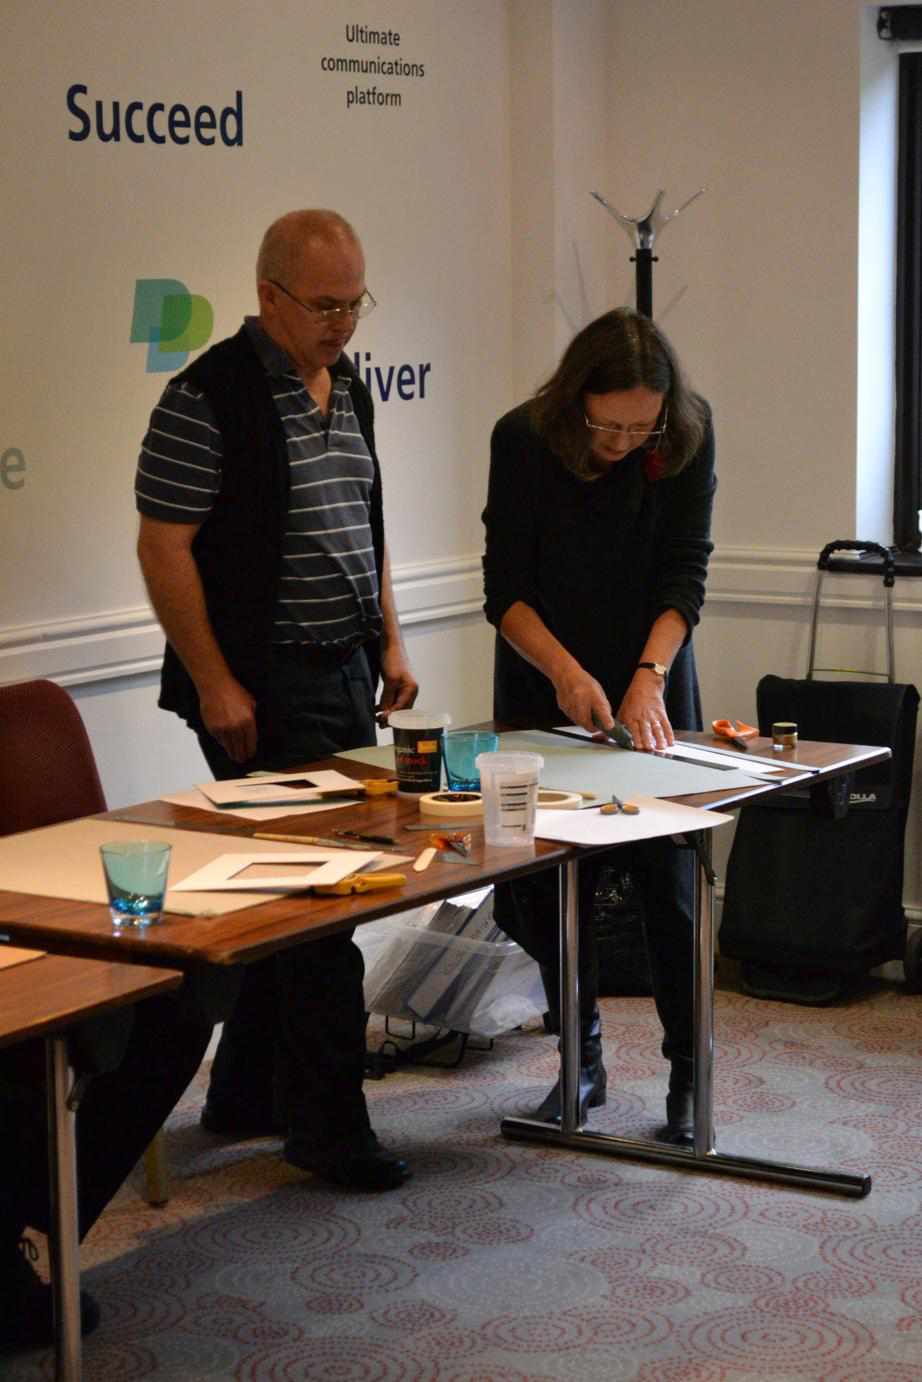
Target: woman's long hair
<point>621,350</point>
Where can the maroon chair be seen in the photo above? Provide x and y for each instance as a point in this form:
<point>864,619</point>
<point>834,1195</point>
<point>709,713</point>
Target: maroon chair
<point>47,769</point>
<point>48,774</point>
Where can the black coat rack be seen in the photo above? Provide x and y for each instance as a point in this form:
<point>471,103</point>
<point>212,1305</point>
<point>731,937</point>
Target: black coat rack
<point>643,231</point>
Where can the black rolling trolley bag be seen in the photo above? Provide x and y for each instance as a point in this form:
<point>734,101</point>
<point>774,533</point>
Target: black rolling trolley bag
<point>815,877</point>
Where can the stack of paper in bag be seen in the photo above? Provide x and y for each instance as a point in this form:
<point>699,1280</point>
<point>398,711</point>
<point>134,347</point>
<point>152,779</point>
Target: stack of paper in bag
<point>440,970</point>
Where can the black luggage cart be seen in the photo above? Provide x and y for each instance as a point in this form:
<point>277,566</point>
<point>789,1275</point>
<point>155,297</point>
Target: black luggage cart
<point>814,881</point>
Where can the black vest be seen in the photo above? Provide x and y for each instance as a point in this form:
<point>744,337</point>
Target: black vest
<point>238,549</point>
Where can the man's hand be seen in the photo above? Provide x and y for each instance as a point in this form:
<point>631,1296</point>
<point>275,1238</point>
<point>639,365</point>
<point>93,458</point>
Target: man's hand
<point>229,713</point>
<point>643,712</point>
<point>176,593</point>
<point>399,686</point>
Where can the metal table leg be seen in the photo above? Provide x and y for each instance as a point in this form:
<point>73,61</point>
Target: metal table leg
<point>703,1154</point>
<point>63,1233</point>
<point>569,997</point>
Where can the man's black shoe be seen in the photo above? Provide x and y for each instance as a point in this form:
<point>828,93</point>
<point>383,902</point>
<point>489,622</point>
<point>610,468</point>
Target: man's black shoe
<point>239,1123</point>
<point>26,1309</point>
<point>359,1161</point>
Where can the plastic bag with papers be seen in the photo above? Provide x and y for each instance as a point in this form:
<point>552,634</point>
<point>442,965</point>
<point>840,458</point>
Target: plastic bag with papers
<point>448,965</point>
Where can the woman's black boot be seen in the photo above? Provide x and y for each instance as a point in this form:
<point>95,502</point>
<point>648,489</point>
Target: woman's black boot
<point>592,1077</point>
<point>680,1103</point>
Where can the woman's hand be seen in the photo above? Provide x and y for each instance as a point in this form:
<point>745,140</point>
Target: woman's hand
<point>579,696</point>
<point>643,712</point>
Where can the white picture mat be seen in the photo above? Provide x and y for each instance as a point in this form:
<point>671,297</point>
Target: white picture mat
<point>63,861</point>
<point>271,790</point>
<point>655,818</point>
<point>224,872</point>
<point>193,797</point>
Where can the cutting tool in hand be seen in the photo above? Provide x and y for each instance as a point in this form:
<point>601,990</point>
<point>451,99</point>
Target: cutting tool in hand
<point>737,734</point>
<point>617,807</point>
<point>361,883</point>
<point>619,734</point>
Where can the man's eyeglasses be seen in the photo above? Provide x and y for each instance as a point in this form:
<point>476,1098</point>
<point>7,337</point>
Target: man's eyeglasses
<point>360,308</point>
<point>634,435</point>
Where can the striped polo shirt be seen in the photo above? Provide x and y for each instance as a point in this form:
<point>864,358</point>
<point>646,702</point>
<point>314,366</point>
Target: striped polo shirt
<point>329,588</point>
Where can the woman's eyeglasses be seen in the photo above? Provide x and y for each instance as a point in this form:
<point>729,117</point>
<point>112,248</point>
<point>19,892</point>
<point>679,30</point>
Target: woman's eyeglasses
<point>634,435</point>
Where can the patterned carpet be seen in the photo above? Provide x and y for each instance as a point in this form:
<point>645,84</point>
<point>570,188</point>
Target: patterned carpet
<point>507,1263</point>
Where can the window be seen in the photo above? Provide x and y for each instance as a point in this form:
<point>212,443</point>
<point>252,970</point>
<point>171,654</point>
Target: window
<point>907,474</point>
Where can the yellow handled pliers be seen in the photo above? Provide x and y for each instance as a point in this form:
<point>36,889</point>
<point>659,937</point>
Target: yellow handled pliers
<point>361,883</point>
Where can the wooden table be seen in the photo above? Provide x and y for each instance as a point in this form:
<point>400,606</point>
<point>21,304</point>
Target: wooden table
<point>253,933</point>
<point>43,998</point>
<point>85,928</point>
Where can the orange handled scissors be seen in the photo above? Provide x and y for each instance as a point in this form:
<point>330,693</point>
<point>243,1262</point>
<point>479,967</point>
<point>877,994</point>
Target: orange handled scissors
<point>737,734</point>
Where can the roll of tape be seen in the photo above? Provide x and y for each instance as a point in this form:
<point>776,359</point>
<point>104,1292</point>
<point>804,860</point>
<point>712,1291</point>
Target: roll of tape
<point>445,806</point>
<point>558,801</point>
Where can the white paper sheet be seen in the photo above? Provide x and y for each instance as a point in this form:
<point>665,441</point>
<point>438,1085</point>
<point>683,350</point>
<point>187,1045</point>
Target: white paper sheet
<point>259,872</point>
<point>655,818</point>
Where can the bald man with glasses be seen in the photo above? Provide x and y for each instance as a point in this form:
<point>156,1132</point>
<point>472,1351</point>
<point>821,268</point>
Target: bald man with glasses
<point>262,545</point>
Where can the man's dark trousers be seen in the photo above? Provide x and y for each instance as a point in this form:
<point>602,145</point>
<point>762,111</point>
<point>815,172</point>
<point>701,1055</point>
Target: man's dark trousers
<point>119,1113</point>
<point>293,1050</point>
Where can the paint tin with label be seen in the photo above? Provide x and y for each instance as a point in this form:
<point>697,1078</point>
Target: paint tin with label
<point>418,749</point>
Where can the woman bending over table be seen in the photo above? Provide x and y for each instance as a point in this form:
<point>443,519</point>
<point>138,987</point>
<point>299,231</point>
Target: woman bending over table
<point>597,543</point>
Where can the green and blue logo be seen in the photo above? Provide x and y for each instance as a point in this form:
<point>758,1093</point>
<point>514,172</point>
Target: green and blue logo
<point>170,321</point>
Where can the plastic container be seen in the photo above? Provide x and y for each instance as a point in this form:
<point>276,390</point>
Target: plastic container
<point>418,749</point>
<point>509,783</point>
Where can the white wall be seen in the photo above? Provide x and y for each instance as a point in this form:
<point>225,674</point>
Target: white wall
<point>486,252</point>
<point>758,285</point>
<point>426,185</point>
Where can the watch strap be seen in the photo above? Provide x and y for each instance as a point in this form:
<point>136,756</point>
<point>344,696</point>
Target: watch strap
<point>659,668</point>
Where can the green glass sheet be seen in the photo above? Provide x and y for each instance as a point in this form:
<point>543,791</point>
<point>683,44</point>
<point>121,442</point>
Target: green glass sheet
<point>571,766</point>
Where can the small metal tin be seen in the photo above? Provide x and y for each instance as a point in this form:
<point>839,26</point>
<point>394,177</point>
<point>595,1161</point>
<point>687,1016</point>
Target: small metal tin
<point>784,735</point>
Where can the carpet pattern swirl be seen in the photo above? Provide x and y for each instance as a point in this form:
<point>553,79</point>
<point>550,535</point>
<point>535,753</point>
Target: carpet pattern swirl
<point>502,1262</point>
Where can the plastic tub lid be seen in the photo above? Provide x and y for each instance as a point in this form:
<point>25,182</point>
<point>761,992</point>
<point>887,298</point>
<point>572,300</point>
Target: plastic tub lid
<point>419,719</point>
<point>500,762</point>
